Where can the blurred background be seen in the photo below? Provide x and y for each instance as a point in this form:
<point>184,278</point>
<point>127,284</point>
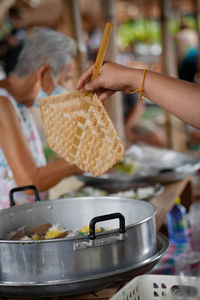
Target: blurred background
<point>161,35</point>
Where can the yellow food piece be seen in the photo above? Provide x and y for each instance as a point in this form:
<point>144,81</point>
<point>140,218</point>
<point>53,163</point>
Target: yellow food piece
<point>35,237</point>
<point>53,233</point>
<point>85,229</point>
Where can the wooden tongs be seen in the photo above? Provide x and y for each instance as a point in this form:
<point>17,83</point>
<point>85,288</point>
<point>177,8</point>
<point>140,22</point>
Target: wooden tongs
<point>101,52</point>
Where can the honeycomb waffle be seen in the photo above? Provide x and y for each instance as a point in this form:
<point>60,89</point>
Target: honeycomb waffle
<point>79,129</point>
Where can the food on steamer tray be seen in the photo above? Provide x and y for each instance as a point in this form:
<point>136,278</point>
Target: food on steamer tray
<point>128,166</point>
<point>16,235</point>
<point>48,232</point>
<point>85,230</point>
<point>56,231</point>
<point>140,193</point>
<point>87,191</point>
<point>40,231</point>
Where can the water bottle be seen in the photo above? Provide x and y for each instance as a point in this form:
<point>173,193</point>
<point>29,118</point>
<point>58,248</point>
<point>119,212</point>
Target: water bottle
<point>177,223</point>
<point>194,221</point>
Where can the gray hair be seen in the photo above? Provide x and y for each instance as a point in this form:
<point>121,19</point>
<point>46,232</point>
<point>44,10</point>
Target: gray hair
<point>45,47</point>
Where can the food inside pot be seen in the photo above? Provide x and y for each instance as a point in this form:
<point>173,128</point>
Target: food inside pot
<point>48,231</point>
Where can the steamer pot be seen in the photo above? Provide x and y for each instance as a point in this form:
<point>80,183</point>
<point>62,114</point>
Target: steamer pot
<point>132,241</point>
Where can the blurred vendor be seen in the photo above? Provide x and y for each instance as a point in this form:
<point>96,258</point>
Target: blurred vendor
<point>138,130</point>
<point>45,61</point>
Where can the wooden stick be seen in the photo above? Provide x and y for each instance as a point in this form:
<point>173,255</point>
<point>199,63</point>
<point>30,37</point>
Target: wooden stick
<point>102,50</point>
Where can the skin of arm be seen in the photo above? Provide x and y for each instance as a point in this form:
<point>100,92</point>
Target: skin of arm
<point>19,157</point>
<point>179,97</point>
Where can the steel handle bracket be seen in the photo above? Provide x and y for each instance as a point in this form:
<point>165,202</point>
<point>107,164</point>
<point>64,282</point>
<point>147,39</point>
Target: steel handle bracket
<point>100,242</point>
<point>93,242</point>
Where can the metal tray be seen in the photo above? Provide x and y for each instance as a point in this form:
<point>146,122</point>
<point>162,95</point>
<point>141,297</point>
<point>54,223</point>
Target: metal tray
<point>105,189</point>
<point>156,165</point>
<point>89,284</point>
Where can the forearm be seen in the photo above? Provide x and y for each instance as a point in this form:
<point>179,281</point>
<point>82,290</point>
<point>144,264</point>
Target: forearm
<point>44,177</point>
<point>49,175</point>
<point>179,97</point>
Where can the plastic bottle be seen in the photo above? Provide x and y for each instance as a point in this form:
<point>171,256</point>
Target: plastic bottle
<point>194,220</point>
<point>177,223</point>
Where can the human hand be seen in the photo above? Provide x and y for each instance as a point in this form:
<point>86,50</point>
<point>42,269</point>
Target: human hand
<point>112,78</point>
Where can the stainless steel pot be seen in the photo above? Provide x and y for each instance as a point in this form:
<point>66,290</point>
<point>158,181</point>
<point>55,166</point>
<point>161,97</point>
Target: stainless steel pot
<point>131,242</point>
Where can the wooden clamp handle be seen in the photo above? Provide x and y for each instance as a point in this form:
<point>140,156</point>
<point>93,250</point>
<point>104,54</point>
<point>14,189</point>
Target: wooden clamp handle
<point>102,50</point>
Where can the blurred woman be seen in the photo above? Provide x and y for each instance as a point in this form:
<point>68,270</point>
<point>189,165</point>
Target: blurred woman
<point>46,61</point>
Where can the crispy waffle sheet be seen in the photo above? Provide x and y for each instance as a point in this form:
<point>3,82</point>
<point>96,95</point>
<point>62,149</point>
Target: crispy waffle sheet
<point>78,128</point>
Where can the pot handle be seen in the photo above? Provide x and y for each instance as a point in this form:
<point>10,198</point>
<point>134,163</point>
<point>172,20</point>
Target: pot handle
<point>122,228</point>
<point>23,188</point>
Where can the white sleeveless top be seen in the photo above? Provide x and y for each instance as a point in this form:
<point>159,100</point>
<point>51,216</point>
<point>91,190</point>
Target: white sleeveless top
<point>30,131</point>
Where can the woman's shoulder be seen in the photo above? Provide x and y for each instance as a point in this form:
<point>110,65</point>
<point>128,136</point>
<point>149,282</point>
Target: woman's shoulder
<point>5,102</point>
<point>6,99</point>
<point>7,111</point>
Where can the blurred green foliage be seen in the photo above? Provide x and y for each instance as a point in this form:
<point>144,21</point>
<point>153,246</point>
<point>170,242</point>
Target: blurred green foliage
<point>188,21</point>
<point>149,30</point>
<point>143,30</point>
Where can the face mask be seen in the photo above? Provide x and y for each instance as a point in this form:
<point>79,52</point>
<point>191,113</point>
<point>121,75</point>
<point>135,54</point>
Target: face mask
<point>41,94</point>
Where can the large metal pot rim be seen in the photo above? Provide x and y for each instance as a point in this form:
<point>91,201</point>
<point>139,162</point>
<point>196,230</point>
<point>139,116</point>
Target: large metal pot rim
<point>49,202</point>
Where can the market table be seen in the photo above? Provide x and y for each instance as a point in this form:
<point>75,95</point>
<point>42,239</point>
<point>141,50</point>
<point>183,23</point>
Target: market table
<point>163,204</point>
<point>166,200</point>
